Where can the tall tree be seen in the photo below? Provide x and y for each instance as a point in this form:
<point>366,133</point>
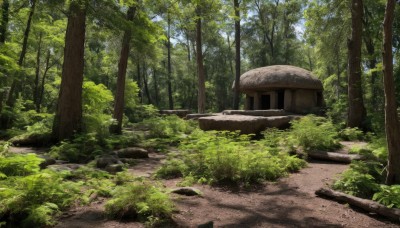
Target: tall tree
<point>68,118</point>
<point>236,98</point>
<point>122,65</point>
<point>169,81</point>
<point>5,7</point>
<point>391,118</point>
<point>12,94</point>
<point>356,111</point>
<point>201,96</point>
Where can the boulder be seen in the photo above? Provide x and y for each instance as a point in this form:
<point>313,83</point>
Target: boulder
<point>114,168</point>
<point>265,113</point>
<point>107,160</point>
<point>132,152</point>
<point>196,116</point>
<point>244,124</point>
<point>187,191</point>
<point>47,161</point>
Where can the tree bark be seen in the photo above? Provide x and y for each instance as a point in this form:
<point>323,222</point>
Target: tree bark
<point>156,97</point>
<point>356,111</point>
<point>41,92</point>
<point>12,94</point>
<point>146,86</point>
<point>37,71</point>
<point>5,10</point>
<point>201,99</point>
<point>391,119</point>
<point>68,118</point>
<point>170,98</point>
<point>368,205</point>
<point>236,99</point>
<point>337,157</point>
<point>122,66</point>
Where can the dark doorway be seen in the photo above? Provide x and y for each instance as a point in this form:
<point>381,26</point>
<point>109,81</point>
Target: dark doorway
<point>319,99</point>
<point>265,102</point>
<point>281,99</point>
<point>251,103</point>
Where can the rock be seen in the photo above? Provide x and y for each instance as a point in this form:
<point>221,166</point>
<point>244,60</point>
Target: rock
<point>132,152</point>
<point>265,113</point>
<point>104,161</point>
<point>196,116</point>
<point>114,168</point>
<point>187,191</point>
<point>47,161</point>
<point>209,224</point>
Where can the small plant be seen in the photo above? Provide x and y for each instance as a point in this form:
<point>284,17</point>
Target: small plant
<point>314,133</point>
<point>360,179</point>
<point>20,165</point>
<point>139,201</point>
<point>388,195</point>
<point>351,134</point>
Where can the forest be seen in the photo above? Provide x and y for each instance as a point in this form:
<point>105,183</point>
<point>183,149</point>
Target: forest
<point>83,83</point>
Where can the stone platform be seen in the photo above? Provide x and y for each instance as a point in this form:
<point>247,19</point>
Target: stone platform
<point>244,123</point>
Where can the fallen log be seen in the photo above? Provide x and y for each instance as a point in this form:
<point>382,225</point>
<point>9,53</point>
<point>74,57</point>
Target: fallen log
<point>337,157</point>
<point>368,205</point>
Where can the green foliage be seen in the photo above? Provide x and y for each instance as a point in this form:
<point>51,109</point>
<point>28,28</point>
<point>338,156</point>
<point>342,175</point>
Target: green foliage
<point>37,134</point>
<point>360,180</point>
<point>388,195</point>
<point>314,133</point>
<point>379,148</point>
<point>170,126</point>
<point>97,107</point>
<point>351,134</point>
<point>20,165</point>
<point>139,200</point>
<point>35,199</point>
<point>228,157</point>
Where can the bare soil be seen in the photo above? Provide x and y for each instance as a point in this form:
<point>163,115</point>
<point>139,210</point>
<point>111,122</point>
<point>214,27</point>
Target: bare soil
<point>289,202</point>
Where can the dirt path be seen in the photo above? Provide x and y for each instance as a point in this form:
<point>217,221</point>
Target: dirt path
<point>290,202</point>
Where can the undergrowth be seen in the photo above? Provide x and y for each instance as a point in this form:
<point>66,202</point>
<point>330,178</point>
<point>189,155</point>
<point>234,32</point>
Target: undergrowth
<point>219,157</point>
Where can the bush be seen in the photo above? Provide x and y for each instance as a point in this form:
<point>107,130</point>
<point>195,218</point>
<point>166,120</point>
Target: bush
<point>388,195</point>
<point>171,127</point>
<point>228,157</point>
<point>360,179</point>
<point>351,134</point>
<point>139,200</point>
<point>19,165</point>
<point>314,133</point>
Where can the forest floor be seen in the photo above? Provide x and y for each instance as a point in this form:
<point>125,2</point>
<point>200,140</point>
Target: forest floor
<point>288,202</point>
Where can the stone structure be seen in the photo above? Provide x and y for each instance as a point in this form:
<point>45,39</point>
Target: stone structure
<point>290,88</point>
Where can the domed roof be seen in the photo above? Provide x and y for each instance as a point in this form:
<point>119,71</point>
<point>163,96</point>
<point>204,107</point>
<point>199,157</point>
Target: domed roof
<point>278,76</point>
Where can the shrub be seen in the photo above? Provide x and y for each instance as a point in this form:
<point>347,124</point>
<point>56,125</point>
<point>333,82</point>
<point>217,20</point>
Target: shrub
<point>171,127</point>
<point>228,157</point>
<point>351,134</point>
<point>19,165</point>
<point>388,195</point>
<point>360,179</point>
<point>314,133</point>
<point>139,200</point>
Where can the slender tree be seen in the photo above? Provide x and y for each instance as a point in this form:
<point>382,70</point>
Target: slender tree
<point>170,98</point>
<point>391,119</point>
<point>122,65</point>
<point>12,94</point>
<point>236,98</point>
<point>68,118</point>
<point>356,111</point>
<point>5,8</point>
<point>201,96</point>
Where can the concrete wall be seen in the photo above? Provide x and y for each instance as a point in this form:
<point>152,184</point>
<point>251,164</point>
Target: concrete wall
<point>305,101</point>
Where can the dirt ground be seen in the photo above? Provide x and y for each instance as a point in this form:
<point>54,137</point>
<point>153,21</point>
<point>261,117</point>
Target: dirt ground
<point>289,202</point>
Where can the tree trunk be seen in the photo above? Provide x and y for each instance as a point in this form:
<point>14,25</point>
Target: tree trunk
<point>170,98</point>
<point>391,119</point>
<point>201,99</point>
<point>3,34</point>
<point>356,112</point>
<point>146,86</point>
<point>68,118</point>
<point>122,65</point>
<point>155,87</point>
<point>5,9</point>
<point>139,81</point>
<point>236,98</point>
<point>37,71</point>
<point>368,205</point>
<point>15,86</point>
<point>41,92</point>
